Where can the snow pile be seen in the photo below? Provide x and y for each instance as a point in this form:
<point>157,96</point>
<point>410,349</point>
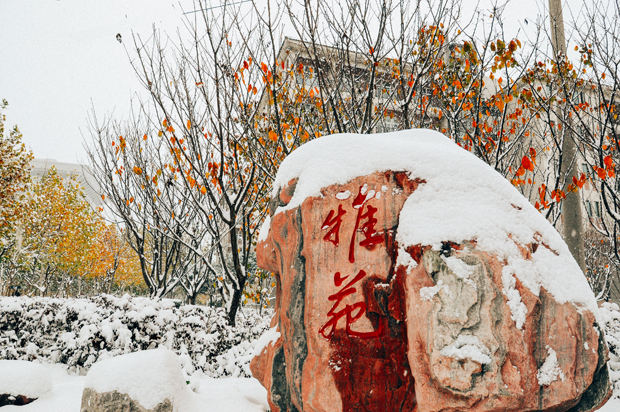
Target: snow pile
<point>24,378</point>
<point>263,234</point>
<point>518,310</point>
<point>429,292</point>
<point>460,269</point>
<point>148,377</point>
<point>610,313</point>
<point>404,259</point>
<point>468,347</point>
<point>462,199</point>
<point>550,370</point>
<point>79,332</point>
<point>268,338</point>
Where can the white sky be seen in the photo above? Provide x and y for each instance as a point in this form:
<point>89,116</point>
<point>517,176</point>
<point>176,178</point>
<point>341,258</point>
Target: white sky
<point>60,58</point>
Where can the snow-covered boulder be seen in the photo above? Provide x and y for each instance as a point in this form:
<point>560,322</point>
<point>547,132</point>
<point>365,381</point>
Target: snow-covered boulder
<point>21,382</point>
<point>145,381</point>
<point>412,276</point>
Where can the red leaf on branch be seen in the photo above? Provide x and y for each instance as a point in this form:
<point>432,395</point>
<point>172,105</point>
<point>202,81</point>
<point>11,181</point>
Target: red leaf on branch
<point>527,164</point>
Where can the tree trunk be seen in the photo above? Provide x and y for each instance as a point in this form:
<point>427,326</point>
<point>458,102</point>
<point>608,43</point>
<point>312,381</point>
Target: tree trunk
<point>571,213</point>
<point>234,306</point>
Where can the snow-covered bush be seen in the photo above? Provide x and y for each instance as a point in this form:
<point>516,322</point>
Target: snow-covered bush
<point>78,332</point>
<point>610,314</point>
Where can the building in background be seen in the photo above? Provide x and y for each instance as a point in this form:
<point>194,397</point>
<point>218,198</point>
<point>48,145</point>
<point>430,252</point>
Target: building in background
<point>83,174</point>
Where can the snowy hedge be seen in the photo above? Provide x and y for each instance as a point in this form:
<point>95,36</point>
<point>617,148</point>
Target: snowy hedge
<point>78,332</point>
<point>610,314</point>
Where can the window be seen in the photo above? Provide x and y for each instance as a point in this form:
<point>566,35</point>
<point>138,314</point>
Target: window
<point>387,124</point>
<point>589,208</point>
<point>597,209</point>
<point>587,170</point>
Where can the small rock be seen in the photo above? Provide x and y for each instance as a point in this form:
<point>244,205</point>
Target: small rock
<point>145,381</point>
<point>114,401</point>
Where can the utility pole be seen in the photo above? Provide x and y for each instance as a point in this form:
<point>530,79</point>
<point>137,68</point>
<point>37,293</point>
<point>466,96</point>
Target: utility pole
<point>571,213</point>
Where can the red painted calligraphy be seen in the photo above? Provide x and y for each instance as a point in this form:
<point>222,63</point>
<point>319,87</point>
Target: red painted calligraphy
<point>365,222</point>
<point>333,233</point>
<point>351,313</point>
<point>371,237</point>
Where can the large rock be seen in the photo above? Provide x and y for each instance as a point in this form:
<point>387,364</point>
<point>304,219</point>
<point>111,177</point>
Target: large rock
<point>146,381</point>
<point>395,294</point>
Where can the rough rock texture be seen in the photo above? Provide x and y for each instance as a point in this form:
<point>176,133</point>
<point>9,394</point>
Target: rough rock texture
<point>368,326</point>
<point>509,378</point>
<point>92,401</point>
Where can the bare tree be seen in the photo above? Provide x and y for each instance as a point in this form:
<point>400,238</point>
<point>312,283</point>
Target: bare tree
<point>213,195</point>
<point>594,109</point>
<point>138,180</point>
<point>226,103</point>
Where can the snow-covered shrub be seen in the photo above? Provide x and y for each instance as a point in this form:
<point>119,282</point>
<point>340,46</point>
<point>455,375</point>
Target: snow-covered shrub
<point>610,314</point>
<point>78,332</point>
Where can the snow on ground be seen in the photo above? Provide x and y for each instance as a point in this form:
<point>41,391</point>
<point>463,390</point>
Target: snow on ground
<point>65,396</point>
<point>211,395</point>
<point>612,406</point>
<point>24,378</point>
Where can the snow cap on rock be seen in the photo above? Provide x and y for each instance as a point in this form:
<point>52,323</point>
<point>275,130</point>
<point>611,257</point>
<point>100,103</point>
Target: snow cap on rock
<point>19,377</point>
<point>148,377</point>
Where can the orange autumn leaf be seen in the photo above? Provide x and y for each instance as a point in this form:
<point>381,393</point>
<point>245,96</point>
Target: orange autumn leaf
<point>527,164</point>
<point>137,170</point>
<point>500,105</point>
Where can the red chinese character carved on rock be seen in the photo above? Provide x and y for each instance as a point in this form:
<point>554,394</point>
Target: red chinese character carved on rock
<point>371,237</point>
<point>348,311</point>
<point>336,221</point>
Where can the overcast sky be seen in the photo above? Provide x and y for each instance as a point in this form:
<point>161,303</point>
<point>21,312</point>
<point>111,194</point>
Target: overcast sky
<point>60,58</point>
